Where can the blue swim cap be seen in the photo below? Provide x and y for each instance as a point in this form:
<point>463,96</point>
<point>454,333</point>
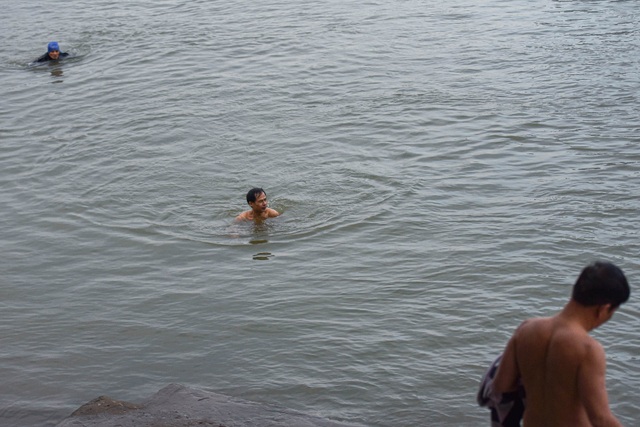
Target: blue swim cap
<point>53,46</point>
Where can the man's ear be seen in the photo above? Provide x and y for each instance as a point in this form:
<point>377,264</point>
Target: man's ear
<point>605,311</point>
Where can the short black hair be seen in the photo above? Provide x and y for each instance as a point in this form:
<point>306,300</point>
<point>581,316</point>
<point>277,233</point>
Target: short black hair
<point>601,283</point>
<point>253,194</point>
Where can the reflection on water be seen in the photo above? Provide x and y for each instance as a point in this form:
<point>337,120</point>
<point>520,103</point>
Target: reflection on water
<point>263,256</point>
<point>257,233</point>
<point>57,72</point>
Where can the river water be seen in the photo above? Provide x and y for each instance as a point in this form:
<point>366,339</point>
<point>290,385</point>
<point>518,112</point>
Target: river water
<point>444,170</point>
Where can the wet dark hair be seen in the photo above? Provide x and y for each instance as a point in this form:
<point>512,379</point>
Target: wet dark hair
<point>601,283</point>
<point>253,194</point>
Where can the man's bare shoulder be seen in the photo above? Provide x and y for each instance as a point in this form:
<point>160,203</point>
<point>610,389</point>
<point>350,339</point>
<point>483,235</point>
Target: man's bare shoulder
<point>589,347</point>
<point>245,216</point>
<point>532,337</point>
<point>272,213</point>
<point>533,325</point>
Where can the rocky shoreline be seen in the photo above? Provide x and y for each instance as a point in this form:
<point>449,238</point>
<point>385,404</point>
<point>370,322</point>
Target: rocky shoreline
<point>178,406</point>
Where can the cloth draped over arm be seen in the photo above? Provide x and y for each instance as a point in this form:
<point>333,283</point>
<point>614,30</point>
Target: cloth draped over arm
<point>506,408</point>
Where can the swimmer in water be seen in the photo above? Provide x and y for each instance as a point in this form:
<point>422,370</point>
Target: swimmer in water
<point>260,210</point>
<point>53,53</point>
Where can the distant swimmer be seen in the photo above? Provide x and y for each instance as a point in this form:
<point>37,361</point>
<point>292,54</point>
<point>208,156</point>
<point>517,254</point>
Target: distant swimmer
<point>260,210</point>
<point>560,366</point>
<point>53,53</point>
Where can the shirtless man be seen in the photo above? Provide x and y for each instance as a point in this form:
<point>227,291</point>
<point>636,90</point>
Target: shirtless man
<point>561,367</point>
<point>260,210</point>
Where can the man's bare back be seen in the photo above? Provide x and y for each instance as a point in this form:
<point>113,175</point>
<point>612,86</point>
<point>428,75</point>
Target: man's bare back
<point>554,356</point>
<point>561,367</point>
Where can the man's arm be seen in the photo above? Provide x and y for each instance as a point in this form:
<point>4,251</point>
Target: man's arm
<point>592,388</point>
<point>507,376</point>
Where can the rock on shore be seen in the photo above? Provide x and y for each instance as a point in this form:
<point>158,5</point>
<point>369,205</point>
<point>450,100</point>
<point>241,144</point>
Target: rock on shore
<point>180,406</point>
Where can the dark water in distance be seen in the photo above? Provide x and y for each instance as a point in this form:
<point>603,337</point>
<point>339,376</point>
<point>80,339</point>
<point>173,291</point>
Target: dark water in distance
<point>444,170</point>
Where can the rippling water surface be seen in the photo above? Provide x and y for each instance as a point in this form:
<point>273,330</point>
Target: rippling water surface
<point>444,170</point>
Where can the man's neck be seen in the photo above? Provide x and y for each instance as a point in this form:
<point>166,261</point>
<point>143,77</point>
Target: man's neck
<point>580,315</point>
